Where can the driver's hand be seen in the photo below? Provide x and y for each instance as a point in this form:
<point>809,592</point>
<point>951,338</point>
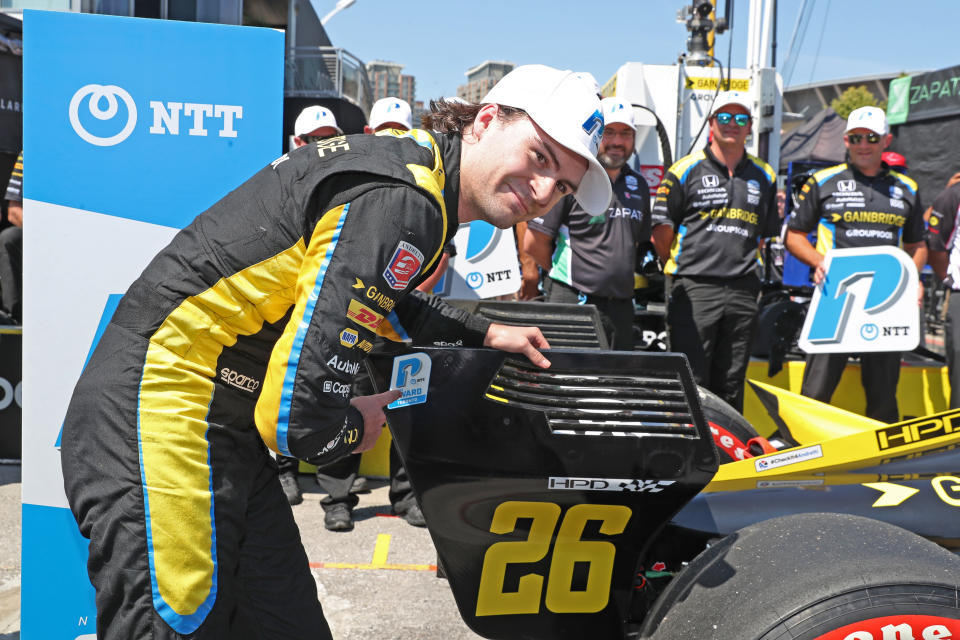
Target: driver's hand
<point>525,340</point>
<point>371,408</point>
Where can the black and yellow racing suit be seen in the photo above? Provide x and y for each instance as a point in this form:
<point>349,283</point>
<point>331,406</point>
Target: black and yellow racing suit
<point>247,329</point>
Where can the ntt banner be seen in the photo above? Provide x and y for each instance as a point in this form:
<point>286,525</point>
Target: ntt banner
<point>132,128</point>
<point>486,264</point>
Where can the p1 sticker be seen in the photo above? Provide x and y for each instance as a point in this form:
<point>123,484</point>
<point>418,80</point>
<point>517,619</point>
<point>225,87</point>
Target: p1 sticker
<point>404,265</point>
<point>411,374</point>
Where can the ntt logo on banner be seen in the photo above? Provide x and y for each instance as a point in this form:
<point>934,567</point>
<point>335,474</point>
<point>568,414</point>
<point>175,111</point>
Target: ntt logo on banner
<point>102,102</point>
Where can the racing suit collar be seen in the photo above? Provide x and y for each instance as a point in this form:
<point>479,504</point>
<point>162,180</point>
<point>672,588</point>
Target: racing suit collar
<point>862,177</point>
<point>744,160</point>
<point>450,144</point>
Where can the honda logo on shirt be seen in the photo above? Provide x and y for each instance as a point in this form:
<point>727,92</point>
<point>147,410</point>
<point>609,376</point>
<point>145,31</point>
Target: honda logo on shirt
<point>847,185</point>
<point>103,104</point>
<point>710,181</point>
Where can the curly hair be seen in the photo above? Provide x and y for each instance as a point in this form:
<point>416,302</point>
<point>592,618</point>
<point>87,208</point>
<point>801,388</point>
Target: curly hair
<point>451,116</point>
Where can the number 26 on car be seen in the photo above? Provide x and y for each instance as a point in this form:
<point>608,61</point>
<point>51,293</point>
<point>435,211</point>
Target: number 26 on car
<point>568,551</point>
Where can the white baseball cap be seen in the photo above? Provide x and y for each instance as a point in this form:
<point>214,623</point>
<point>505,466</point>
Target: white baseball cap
<point>726,98</point>
<point>588,78</point>
<point>391,110</point>
<point>562,105</point>
<point>313,118</point>
<point>617,110</point>
<point>872,118</point>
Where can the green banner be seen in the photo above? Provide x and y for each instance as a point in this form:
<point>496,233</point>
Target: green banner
<point>924,96</point>
<point>898,101</point>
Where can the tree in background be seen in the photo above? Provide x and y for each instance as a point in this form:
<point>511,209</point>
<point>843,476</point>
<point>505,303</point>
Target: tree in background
<point>854,98</point>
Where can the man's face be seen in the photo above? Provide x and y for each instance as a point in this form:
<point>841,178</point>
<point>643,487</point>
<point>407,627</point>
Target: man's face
<point>865,154</point>
<point>730,133</point>
<point>316,134</point>
<point>513,171</point>
<point>616,145</point>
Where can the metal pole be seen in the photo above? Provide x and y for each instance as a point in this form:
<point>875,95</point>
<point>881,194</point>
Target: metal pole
<point>764,48</point>
<point>753,32</point>
<point>341,5</point>
<point>773,43</point>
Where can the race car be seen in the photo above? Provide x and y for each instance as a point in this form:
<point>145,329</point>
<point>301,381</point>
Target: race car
<point>588,500</point>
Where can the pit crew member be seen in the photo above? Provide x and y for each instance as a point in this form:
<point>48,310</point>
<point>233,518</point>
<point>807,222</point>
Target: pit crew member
<point>720,203</point>
<point>944,257</point>
<point>859,203</point>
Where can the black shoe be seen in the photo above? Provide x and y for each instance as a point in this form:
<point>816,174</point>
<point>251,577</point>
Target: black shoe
<point>360,485</point>
<point>338,518</point>
<point>291,488</point>
<point>414,516</point>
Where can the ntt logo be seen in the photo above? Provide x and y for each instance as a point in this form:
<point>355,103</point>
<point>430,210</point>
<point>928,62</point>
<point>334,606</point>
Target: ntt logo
<point>98,94</point>
<point>103,103</point>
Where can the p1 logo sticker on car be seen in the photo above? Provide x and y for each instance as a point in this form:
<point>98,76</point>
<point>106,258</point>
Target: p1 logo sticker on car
<point>411,374</point>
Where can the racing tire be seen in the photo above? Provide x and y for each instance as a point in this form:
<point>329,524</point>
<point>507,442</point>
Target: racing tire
<point>814,576</point>
<point>731,431</point>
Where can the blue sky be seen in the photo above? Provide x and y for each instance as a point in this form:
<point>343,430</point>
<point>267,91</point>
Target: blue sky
<point>438,40</point>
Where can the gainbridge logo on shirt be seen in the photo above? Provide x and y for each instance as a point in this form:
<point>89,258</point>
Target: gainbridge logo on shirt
<point>106,115</point>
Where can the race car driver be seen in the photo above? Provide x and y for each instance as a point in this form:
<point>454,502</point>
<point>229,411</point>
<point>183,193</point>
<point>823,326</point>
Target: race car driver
<point>859,203</point>
<point>721,204</point>
<point>591,258</point>
<point>245,332</point>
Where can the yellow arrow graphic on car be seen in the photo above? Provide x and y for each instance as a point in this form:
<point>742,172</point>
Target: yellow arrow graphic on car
<point>893,494</point>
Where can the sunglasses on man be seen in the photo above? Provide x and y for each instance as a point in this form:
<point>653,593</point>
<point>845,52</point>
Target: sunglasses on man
<point>308,139</point>
<point>741,119</point>
<point>855,138</point>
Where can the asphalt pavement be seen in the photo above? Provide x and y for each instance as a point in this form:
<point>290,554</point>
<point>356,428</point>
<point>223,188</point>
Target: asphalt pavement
<point>377,582</point>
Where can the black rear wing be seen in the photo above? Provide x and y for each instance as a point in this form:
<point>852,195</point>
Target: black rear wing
<point>542,488</point>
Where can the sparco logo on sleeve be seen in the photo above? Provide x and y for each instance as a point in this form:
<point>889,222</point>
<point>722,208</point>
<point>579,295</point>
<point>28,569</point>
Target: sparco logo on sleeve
<point>111,124</point>
<point>238,380</point>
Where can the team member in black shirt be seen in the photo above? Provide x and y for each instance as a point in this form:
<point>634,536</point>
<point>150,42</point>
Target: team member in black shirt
<point>720,203</point>
<point>945,259</point>
<point>591,258</point>
<point>860,203</point>
<point>11,250</point>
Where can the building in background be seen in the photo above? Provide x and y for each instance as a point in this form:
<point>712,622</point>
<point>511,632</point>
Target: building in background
<point>804,101</point>
<point>481,79</point>
<point>387,81</point>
